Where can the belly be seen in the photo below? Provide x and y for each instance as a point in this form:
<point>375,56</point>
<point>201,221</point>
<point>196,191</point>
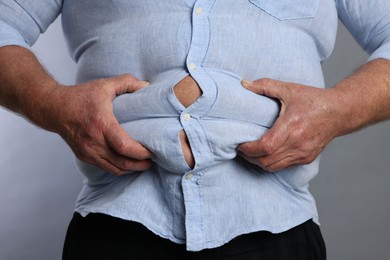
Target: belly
<point>236,115</point>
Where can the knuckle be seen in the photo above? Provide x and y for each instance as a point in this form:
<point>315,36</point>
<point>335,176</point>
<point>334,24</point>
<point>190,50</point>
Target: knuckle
<point>107,166</point>
<point>111,169</point>
<point>117,172</point>
<point>95,124</point>
<point>103,87</point>
<point>82,151</point>
<point>121,146</point>
<point>297,123</point>
<point>124,165</point>
<point>97,86</point>
<point>99,81</point>
<point>268,148</point>
<point>268,168</point>
<point>304,156</point>
<point>262,163</point>
<point>309,159</point>
<point>128,77</point>
<point>87,158</point>
<point>133,165</point>
<point>264,81</point>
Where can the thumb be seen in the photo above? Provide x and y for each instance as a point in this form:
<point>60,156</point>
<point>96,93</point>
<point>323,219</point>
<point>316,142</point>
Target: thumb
<point>268,87</point>
<point>126,83</point>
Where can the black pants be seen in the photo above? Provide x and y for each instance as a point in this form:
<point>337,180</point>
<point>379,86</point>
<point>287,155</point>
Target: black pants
<point>99,237</point>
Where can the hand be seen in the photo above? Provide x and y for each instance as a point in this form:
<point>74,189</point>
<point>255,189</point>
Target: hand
<point>83,116</point>
<point>307,122</point>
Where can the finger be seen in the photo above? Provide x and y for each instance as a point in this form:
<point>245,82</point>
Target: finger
<point>124,164</point>
<point>269,144</point>
<point>126,84</point>
<point>268,87</point>
<point>257,161</point>
<point>282,164</point>
<point>103,156</point>
<point>118,165</point>
<point>120,141</point>
<point>264,163</point>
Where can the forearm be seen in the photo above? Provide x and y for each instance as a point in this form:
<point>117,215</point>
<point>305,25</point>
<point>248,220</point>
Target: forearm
<point>364,97</point>
<point>24,84</point>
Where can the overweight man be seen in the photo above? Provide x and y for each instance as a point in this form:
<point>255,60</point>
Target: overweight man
<point>198,124</point>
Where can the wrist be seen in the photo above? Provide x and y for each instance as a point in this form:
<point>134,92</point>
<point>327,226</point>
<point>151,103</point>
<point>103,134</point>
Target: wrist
<point>343,111</point>
<point>40,109</point>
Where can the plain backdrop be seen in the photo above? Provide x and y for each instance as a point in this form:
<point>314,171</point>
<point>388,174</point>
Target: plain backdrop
<point>39,182</point>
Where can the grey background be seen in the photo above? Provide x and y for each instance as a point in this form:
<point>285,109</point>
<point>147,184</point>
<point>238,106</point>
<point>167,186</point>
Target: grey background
<point>39,182</point>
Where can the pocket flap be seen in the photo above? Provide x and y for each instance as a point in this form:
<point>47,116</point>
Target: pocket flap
<point>288,9</point>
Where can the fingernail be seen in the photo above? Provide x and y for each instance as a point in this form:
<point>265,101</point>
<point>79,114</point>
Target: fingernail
<point>145,83</point>
<point>246,83</point>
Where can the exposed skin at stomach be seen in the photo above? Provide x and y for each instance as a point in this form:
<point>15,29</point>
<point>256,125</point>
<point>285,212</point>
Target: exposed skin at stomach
<point>223,125</point>
<point>187,91</point>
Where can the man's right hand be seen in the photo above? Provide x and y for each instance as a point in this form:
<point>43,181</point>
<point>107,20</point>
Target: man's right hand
<point>83,116</point>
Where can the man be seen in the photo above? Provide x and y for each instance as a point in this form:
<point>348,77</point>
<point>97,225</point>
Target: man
<point>168,97</point>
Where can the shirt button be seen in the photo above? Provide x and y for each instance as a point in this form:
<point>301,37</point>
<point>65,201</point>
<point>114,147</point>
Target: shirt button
<point>192,66</point>
<point>199,10</point>
<point>187,117</point>
<point>189,176</point>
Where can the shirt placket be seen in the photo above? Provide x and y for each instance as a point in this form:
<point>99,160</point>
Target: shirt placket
<point>190,120</point>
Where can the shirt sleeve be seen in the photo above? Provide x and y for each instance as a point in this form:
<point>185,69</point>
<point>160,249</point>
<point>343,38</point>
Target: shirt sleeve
<point>22,21</point>
<point>369,23</point>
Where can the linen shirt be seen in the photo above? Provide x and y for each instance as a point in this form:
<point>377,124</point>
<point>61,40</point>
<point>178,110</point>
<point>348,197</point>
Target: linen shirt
<point>218,43</point>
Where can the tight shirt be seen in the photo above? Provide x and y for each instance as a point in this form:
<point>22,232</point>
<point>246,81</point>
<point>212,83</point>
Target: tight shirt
<point>218,43</point>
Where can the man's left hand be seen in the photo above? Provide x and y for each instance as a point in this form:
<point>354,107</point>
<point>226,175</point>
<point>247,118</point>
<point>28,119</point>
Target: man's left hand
<point>307,122</point>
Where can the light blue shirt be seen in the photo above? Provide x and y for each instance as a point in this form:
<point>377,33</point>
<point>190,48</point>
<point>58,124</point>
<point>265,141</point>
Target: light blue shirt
<point>218,43</point>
